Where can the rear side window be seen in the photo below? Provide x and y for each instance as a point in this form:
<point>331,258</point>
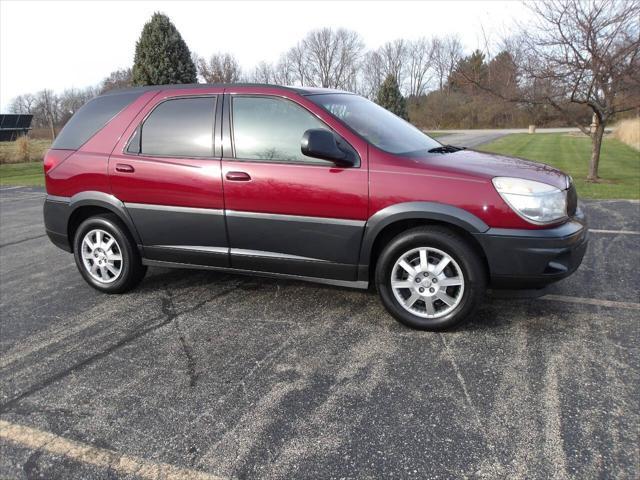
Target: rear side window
<point>90,118</point>
<point>181,127</point>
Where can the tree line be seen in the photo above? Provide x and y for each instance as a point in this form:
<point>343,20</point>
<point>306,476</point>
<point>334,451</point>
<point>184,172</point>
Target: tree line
<point>424,71</point>
<point>577,63</point>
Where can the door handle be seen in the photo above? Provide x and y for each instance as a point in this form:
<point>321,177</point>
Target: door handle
<point>238,176</point>
<point>124,168</point>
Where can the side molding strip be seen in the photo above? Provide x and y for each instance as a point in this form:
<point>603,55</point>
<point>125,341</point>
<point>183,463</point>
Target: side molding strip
<point>194,248</point>
<point>236,251</point>
<point>171,208</point>
<point>260,253</point>
<point>55,198</point>
<point>295,218</point>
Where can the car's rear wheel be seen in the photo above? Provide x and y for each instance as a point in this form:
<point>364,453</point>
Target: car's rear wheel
<point>106,256</point>
<point>429,278</point>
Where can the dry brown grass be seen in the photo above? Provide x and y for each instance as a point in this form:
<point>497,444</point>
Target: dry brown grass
<point>628,131</point>
<point>24,149</point>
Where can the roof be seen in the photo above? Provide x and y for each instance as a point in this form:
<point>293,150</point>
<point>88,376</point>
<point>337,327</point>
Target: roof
<point>299,90</point>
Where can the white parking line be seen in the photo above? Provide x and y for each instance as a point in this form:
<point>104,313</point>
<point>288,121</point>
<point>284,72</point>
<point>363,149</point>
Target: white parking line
<point>591,301</point>
<point>621,232</point>
<point>123,464</point>
<point>20,197</point>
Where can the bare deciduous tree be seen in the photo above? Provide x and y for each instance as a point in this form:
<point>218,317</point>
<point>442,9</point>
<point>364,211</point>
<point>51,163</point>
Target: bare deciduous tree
<point>394,58</point>
<point>419,66</point>
<point>23,104</point>
<point>372,73</point>
<point>298,61</point>
<point>585,53</point>
<point>71,100</point>
<point>404,60</point>
<point>219,68</point>
<point>118,79</point>
<point>447,52</point>
<point>47,110</point>
<point>331,57</point>
<point>263,73</point>
<point>281,73</point>
<point>284,71</point>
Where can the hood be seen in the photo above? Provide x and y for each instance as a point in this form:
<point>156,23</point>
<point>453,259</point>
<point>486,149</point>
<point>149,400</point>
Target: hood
<point>489,165</point>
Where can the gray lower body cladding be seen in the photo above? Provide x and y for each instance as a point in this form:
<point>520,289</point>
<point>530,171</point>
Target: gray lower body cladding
<point>56,219</point>
<point>321,248</point>
<point>308,246</point>
<point>534,258</point>
<point>287,245</point>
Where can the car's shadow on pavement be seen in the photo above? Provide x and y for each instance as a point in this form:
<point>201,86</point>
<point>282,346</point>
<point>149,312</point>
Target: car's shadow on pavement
<point>499,309</point>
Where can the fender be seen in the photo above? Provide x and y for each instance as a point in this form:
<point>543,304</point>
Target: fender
<point>414,211</point>
<point>107,201</point>
<point>59,210</point>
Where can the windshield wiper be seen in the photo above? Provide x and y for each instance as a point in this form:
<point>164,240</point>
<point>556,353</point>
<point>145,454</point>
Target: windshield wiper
<point>446,149</point>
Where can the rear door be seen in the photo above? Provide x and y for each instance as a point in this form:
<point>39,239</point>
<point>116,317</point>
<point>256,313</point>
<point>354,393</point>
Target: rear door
<point>166,170</point>
<point>286,212</point>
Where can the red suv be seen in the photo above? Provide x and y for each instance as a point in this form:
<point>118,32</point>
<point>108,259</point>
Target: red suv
<point>304,183</point>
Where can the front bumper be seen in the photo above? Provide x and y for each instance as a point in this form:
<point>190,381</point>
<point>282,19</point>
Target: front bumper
<point>534,258</point>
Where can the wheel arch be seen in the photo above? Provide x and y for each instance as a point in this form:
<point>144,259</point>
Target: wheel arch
<point>393,220</point>
<point>87,204</point>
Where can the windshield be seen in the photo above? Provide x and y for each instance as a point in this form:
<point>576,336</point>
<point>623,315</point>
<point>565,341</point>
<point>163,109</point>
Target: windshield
<point>377,125</point>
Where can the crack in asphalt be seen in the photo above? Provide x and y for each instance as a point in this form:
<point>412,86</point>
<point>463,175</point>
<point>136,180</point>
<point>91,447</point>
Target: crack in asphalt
<point>169,314</point>
<point>27,410</point>
<point>17,242</point>
<point>30,466</point>
<point>188,353</point>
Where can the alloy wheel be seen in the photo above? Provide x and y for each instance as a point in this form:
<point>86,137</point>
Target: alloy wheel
<point>427,282</point>
<point>102,256</point>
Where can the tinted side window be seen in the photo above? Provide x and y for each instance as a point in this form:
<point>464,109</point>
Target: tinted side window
<point>270,129</point>
<point>182,127</point>
<point>90,118</point>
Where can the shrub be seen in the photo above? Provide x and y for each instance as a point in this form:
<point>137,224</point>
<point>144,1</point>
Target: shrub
<point>22,149</point>
<point>628,131</point>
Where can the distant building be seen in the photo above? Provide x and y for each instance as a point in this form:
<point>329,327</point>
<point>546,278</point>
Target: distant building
<point>14,125</point>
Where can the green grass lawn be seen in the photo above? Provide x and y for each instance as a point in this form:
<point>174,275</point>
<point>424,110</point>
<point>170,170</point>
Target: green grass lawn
<point>619,163</point>
<point>22,174</point>
<point>437,134</point>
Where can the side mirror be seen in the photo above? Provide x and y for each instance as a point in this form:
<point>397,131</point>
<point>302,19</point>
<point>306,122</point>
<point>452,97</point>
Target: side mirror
<point>321,143</point>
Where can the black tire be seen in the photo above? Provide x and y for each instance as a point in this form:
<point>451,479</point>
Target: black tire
<point>447,241</point>
<point>132,271</point>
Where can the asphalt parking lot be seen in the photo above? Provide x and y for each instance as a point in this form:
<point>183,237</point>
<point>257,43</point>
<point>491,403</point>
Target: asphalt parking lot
<point>476,137</point>
<point>206,375</point>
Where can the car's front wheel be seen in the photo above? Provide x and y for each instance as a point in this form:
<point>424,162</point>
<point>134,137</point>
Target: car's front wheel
<point>429,278</point>
<point>106,256</point>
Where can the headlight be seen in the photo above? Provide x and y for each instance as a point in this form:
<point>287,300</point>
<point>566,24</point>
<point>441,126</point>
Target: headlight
<point>534,201</point>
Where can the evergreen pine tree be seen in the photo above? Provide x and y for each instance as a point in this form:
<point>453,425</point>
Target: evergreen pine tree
<point>162,56</point>
<point>389,97</point>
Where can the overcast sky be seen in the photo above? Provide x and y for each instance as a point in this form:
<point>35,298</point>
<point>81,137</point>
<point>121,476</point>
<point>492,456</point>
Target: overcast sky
<point>63,44</point>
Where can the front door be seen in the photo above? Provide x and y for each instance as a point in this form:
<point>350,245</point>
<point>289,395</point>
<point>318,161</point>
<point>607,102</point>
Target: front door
<point>288,213</point>
<point>166,170</point>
